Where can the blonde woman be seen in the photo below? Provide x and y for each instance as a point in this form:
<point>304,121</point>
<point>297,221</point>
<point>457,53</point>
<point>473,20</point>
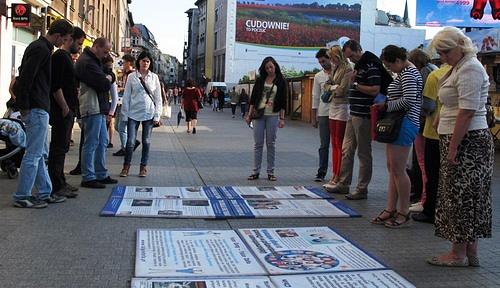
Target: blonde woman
<point>338,107</point>
<point>463,211</point>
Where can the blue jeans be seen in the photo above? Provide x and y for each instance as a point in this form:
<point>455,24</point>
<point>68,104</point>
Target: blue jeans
<point>121,127</point>
<point>33,168</point>
<point>94,148</point>
<point>266,126</point>
<point>132,127</point>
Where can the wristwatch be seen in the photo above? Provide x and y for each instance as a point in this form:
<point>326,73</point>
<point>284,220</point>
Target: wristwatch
<point>355,85</point>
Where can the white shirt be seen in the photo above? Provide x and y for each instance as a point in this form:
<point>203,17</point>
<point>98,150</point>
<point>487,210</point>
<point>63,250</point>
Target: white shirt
<point>318,88</point>
<point>137,104</point>
<point>465,86</point>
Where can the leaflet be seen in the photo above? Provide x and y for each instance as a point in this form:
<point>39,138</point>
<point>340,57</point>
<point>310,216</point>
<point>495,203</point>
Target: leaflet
<point>306,250</point>
<point>198,253</point>
<point>275,192</point>
<point>358,279</point>
<point>247,282</point>
<point>150,192</point>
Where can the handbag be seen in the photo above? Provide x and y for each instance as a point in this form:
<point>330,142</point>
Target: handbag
<point>167,111</point>
<point>259,113</point>
<point>388,127</point>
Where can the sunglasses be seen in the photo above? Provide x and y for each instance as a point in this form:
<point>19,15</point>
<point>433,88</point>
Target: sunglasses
<point>443,52</point>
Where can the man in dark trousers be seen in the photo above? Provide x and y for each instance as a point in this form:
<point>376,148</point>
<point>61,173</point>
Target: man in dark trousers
<point>94,110</point>
<point>32,90</point>
<point>63,108</point>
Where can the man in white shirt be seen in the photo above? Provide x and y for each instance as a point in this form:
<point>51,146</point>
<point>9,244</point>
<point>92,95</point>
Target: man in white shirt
<point>320,112</point>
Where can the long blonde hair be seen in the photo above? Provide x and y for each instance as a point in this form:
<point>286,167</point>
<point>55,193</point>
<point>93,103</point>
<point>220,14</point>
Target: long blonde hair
<point>342,67</point>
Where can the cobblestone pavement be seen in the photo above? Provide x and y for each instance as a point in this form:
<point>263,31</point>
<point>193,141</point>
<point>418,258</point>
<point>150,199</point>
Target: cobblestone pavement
<point>69,245</point>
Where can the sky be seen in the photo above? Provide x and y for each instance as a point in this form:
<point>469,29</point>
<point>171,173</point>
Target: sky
<point>168,22</point>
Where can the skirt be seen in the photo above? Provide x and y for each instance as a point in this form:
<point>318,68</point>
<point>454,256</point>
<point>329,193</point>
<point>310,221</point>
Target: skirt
<point>463,210</point>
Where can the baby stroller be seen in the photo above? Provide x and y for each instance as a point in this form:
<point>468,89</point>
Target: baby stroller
<point>12,134</point>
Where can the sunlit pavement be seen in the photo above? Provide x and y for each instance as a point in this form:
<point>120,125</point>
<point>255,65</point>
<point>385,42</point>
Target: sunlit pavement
<point>69,245</point>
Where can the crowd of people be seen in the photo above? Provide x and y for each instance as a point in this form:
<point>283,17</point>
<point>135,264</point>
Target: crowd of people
<point>440,112</point>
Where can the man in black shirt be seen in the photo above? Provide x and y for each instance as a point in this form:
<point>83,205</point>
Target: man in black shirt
<point>367,83</point>
<point>63,108</point>
<point>32,90</point>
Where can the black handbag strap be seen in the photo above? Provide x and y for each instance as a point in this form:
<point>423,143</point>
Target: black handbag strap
<point>268,94</point>
<point>146,88</point>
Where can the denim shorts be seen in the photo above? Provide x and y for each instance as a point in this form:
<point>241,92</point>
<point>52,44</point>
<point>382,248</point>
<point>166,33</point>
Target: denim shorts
<point>407,133</point>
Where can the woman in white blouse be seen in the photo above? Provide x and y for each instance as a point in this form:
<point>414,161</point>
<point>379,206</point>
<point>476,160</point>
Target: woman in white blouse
<point>142,103</point>
<point>463,211</point>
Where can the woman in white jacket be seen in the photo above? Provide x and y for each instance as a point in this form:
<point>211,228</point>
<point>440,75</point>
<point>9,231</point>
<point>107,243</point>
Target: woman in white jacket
<point>142,103</point>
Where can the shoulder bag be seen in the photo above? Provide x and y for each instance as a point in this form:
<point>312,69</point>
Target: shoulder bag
<point>150,97</point>
<point>388,126</point>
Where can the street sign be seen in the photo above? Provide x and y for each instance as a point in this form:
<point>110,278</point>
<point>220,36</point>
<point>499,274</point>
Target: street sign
<point>21,15</point>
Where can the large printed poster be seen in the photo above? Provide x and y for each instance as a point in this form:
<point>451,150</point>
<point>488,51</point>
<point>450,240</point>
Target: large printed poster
<point>294,24</point>
<point>291,31</point>
<point>458,13</point>
<point>201,253</point>
<point>247,282</point>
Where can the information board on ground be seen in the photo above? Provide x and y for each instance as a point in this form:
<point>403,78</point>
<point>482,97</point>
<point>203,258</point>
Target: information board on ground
<point>306,250</point>
<point>358,279</point>
<point>193,253</point>
<point>247,282</point>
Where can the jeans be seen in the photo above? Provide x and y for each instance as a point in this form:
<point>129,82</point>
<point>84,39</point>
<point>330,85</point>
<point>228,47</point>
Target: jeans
<point>121,127</point>
<point>33,170</point>
<point>268,126</point>
<point>243,108</point>
<point>94,148</point>
<point>132,127</point>
<point>59,146</point>
<point>233,108</point>
<point>324,147</point>
<point>357,137</point>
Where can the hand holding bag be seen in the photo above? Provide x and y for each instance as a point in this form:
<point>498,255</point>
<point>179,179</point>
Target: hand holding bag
<point>389,126</point>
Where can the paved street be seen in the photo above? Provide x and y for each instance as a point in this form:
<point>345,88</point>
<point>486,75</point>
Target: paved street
<point>69,245</point>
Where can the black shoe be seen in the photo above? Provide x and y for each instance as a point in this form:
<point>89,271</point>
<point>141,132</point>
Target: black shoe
<point>120,152</point>
<point>93,184</point>
<point>110,145</point>
<point>107,180</point>
<point>194,130</point>
<point>137,144</point>
<point>65,192</point>
<point>76,171</point>
<point>422,217</point>
<point>70,187</point>
<point>319,178</point>
<point>30,202</point>
<point>54,198</point>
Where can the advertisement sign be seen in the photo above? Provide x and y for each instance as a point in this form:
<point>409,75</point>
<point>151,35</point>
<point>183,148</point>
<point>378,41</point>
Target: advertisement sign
<point>293,24</point>
<point>21,15</point>
<point>291,31</point>
<point>487,40</point>
<point>458,13</point>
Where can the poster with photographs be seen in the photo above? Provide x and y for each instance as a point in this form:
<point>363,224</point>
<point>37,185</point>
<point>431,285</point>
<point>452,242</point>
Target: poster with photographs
<point>376,278</point>
<point>150,192</point>
<point>276,192</point>
<point>193,253</point>
<point>306,250</point>
<point>247,282</point>
<point>167,208</point>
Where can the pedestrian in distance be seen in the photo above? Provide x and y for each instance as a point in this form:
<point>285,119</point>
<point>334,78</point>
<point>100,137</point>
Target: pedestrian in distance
<point>269,97</point>
<point>32,91</point>
<point>142,105</point>
<point>235,99</point>
<point>320,112</point>
<point>243,102</point>
<point>191,98</point>
<point>404,95</point>
<point>94,110</point>
<point>221,98</point>
<point>464,210</point>
<point>113,97</point>
<point>64,107</point>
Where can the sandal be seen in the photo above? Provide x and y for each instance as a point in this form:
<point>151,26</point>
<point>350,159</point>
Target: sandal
<point>395,224</point>
<point>379,220</point>
<point>253,176</point>
<point>271,177</point>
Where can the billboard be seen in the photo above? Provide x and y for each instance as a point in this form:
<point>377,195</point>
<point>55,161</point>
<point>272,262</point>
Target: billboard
<point>292,24</point>
<point>289,30</point>
<point>458,13</point>
<point>487,40</point>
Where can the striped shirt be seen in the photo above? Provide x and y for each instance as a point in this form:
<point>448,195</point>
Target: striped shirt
<point>405,93</point>
<point>359,103</point>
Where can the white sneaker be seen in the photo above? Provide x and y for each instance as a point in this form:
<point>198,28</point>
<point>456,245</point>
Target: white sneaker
<point>417,207</point>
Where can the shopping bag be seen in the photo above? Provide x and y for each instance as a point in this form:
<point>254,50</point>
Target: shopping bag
<point>167,111</point>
